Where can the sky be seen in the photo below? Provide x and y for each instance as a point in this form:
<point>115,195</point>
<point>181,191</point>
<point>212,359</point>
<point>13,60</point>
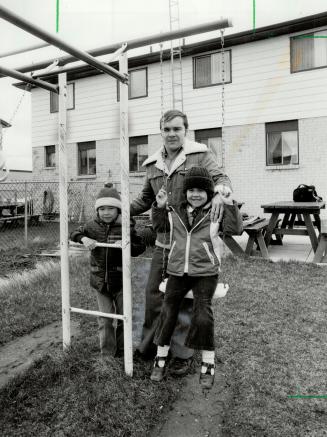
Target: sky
<point>89,24</point>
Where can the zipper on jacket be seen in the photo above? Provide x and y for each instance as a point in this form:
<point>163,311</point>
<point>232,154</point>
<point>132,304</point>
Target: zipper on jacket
<point>211,257</point>
<point>188,240</point>
<point>107,235</point>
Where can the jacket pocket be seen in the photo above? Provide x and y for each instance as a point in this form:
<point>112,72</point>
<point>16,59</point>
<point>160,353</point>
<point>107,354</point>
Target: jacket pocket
<point>171,250</point>
<point>211,257</point>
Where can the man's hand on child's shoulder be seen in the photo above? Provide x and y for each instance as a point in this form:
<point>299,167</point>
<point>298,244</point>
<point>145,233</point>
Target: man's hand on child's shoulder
<point>161,198</point>
<point>89,243</point>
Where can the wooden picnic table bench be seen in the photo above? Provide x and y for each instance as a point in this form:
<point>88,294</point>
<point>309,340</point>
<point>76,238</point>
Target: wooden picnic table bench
<point>256,235</point>
<point>321,252</point>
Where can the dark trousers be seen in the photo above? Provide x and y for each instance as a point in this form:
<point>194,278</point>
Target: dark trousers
<point>201,332</point>
<point>111,331</point>
<point>153,303</point>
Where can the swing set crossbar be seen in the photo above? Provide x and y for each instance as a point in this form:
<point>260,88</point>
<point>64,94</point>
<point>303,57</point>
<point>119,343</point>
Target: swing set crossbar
<point>98,313</point>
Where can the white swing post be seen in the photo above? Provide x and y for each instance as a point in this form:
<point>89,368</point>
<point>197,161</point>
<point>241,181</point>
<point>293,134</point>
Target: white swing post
<point>126,244</point>
<point>63,208</point>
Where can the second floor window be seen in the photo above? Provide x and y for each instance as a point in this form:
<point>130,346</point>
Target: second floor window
<point>138,84</point>
<point>212,138</point>
<point>309,51</point>
<point>86,158</point>
<point>54,99</point>
<point>208,69</point>
<point>50,156</point>
<point>282,143</point>
<point>138,152</point>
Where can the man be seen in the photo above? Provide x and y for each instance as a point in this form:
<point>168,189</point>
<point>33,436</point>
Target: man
<point>166,168</point>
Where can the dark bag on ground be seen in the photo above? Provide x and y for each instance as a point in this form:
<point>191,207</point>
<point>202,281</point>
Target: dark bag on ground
<point>306,193</point>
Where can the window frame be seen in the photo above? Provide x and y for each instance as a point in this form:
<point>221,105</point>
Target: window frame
<point>46,155</point>
<point>204,134</point>
<point>129,89</point>
<point>85,145</point>
<point>288,127</point>
<point>54,96</point>
<point>203,55</point>
<point>294,37</point>
<point>138,141</point>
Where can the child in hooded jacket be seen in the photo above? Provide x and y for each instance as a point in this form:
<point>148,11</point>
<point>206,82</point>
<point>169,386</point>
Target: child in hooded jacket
<point>193,264</point>
<point>106,265</point>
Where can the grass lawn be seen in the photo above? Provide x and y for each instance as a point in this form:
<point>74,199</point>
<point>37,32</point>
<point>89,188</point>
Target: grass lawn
<point>271,337</point>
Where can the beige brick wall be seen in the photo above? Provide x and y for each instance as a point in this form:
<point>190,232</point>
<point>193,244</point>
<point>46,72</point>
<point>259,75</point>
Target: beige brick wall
<point>253,182</point>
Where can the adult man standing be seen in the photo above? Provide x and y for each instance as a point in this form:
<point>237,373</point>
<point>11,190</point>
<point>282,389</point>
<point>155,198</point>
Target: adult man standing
<point>167,167</point>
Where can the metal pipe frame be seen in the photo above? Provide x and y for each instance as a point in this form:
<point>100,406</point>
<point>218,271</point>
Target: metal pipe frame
<point>23,50</point>
<point>23,77</point>
<point>20,22</point>
<point>136,43</point>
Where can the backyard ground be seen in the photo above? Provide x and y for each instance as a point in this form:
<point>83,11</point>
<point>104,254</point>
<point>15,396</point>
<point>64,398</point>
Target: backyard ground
<point>271,338</point>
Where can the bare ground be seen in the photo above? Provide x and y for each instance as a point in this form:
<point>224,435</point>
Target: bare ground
<point>17,355</point>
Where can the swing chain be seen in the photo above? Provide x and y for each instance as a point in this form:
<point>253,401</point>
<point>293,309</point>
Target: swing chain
<point>222,40</point>
<point>161,79</point>
<point>163,271</point>
<point>27,86</point>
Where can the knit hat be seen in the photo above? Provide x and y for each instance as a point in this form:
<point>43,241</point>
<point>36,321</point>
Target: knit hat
<point>198,177</point>
<point>108,196</point>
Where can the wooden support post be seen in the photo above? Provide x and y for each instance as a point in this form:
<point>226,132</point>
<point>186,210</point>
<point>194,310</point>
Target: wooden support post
<point>126,247</point>
<point>63,206</point>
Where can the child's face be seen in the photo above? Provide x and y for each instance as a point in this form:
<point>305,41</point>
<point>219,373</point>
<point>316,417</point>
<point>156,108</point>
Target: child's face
<point>196,197</point>
<point>108,213</point>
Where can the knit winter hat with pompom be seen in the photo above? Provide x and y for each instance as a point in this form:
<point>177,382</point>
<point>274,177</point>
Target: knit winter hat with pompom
<point>108,196</point>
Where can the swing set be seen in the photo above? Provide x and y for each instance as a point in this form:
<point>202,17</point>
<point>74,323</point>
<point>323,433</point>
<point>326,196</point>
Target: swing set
<point>61,67</point>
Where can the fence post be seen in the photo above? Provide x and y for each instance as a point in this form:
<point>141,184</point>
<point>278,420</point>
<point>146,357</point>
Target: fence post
<point>63,207</point>
<point>25,215</point>
<point>126,247</point>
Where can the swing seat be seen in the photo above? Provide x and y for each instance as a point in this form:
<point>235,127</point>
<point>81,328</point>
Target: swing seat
<point>221,290</point>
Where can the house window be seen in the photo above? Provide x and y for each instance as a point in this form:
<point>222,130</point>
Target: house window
<point>212,138</point>
<point>138,152</point>
<point>282,143</point>
<point>86,158</point>
<point>138,84</point>
<point>54,99</point>
<point>50,156</point>
<point>207,69</point>
<point>309,51</point>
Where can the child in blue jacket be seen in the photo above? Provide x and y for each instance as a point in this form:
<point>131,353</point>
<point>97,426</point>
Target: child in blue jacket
<point>193,264</point>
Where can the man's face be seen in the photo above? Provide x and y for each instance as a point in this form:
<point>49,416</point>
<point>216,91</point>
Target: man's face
<point>173,133</point>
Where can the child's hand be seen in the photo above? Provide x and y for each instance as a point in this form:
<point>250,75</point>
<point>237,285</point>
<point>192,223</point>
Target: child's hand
<point>161,198</point>
<point>89,243</point>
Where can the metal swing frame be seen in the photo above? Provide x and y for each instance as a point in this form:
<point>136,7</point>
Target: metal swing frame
<point>61,89</point>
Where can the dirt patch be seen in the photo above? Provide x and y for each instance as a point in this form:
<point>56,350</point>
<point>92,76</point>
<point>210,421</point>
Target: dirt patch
<point>197,413</point>
<point>17,355</point>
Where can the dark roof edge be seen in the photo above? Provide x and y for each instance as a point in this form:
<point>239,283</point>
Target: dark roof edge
<point>271,31</point>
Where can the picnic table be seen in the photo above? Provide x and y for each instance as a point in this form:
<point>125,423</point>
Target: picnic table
<point>15,213</point>
<point>255,232</point>
<point>306,213</point>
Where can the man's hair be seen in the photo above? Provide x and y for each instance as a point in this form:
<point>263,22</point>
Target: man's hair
<point>172,113</point>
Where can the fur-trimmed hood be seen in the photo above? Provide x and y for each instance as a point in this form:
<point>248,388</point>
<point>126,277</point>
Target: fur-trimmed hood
<point>188,148</point>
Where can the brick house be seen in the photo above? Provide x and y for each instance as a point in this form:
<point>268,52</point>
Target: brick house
<point>275,112</point>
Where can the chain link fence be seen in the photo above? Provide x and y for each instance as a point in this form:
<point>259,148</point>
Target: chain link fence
<point>29,211</point>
